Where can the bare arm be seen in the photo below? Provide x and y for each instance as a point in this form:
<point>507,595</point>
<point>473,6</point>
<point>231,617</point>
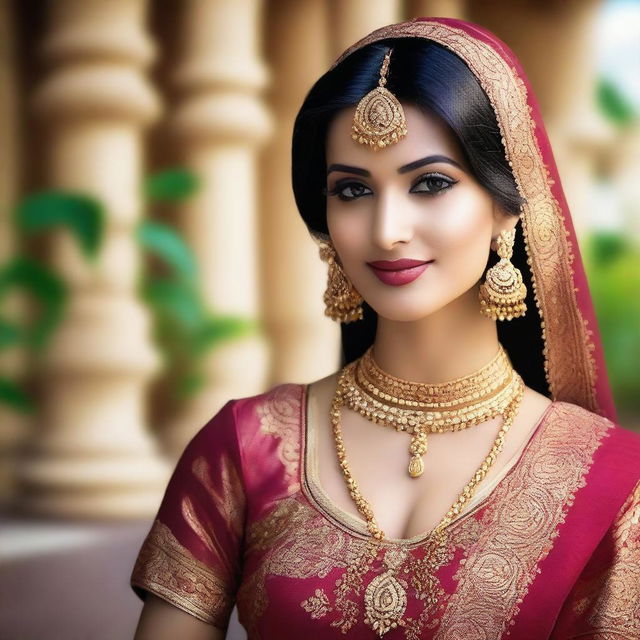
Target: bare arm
<point>160,620</point>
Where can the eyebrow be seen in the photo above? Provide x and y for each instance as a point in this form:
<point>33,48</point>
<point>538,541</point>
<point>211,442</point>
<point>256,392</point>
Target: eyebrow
<point>403,169</point>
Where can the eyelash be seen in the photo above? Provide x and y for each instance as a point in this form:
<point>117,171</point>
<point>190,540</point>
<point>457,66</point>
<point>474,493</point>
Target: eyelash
<point>342,185</point>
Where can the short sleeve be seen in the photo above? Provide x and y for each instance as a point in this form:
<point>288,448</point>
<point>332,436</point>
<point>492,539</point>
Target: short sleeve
<point>192,555</point>
<point>605,601</point>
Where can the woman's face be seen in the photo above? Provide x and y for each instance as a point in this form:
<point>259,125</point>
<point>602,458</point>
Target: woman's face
<point>414,199</point>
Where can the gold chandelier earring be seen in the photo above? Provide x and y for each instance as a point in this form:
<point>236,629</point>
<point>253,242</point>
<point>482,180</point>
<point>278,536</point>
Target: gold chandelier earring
<point>341,299</point>
<point>503,292</point>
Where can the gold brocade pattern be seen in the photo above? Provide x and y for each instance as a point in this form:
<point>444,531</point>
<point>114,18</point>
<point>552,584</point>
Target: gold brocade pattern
<point>520,525</point>
<point>501,550</point>
<point>617,593</point>
<point>569,364</point>
<point>298,543</point>
<point>230,499</point>
<point>166,568</point>
<point>279,416</point>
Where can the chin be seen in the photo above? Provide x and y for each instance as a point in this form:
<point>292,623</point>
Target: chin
<point>404,312</point>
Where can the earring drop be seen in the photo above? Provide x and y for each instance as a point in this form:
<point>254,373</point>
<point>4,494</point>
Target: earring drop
<point>503,292</point>
<point>342,301</point>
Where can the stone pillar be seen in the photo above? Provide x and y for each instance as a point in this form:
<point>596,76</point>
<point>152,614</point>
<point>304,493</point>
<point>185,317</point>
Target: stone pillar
<point>562,74</point>
<point>306,344</point>
<point>91,455</point>
<point>219,123</point>
<point>13,425</point>
<point>350,20</point>
<point>438,9</point>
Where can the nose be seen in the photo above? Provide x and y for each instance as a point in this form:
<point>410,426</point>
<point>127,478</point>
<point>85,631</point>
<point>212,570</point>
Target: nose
<point>391,222</point>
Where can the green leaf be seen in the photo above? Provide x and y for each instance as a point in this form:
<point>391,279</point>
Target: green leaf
<point>14,396</point>
<point>614,103</point>
<point>10,335</point>
<point>220,328</point>
<point>605,247</point>
<point>175,301</point>
<point>171,185</point>
<point>82,215</point>
<point>45,286</point>
<point>164,242</point>
<point>189,383</point>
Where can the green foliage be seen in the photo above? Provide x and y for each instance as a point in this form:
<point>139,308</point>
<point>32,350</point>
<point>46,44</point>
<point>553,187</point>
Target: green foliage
<point>613,267</point>
<point>46,288</point>
<point>12,395</point>
<point>163,242</point>
<point>185,329</point>
<point>171,185</point>
<point>81,215</point>
<point>613,103</point>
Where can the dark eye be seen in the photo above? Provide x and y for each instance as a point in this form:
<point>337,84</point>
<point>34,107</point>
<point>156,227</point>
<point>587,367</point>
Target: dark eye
<point>349,190</point>
<point>435,183</point>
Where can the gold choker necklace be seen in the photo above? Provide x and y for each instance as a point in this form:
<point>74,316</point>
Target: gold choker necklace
<point>385,597</point>
<point>421,408</point>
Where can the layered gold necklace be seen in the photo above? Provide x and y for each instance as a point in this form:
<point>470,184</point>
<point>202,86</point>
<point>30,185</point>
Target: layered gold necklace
<point>420,408</point>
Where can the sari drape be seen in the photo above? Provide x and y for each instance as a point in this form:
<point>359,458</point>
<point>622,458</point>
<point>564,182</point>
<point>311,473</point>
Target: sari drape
<point>551,550</point>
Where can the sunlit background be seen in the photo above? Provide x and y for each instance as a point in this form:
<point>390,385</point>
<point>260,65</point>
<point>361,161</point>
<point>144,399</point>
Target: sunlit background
<point>153,264</point>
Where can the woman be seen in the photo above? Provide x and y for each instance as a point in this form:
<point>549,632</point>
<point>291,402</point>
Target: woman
<point>510,504</point>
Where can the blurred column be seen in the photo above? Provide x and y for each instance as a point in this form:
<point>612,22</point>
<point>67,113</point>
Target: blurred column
<point>13,424</point>
<point>563,76</point>
<point>91,455</point>
<point>437,8</point>
<point>306,344</point>
<point>350,20</point>
<point>220,122</point>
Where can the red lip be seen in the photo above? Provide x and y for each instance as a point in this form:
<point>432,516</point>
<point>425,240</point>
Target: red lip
<point>399,277</point>
<point>396,265</point>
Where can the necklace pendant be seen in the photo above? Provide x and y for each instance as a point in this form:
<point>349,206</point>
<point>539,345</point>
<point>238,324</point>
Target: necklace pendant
<point>385,603</point>
<point>416,466</point>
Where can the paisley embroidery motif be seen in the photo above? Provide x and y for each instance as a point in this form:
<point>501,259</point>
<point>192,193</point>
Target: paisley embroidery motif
<point>279,416</point>
<point>166,568</point>
<point>499,549</point>
<point>520,524</point>
<point>614,598</point>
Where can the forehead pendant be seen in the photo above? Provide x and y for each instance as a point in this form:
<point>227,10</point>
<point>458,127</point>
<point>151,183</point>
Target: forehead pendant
<point>379,119</point>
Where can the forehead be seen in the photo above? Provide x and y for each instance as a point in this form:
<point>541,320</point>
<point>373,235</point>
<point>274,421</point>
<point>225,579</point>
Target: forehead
<point>426,134</point>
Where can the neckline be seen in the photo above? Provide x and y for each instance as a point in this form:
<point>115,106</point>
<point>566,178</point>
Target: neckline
<point>322,502</point>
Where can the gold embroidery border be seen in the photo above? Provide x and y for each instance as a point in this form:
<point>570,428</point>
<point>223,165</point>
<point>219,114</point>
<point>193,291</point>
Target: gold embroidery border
<point>570,367</point>
<point>279,417</point>
<point>165,568</point>
<point>518,534</point>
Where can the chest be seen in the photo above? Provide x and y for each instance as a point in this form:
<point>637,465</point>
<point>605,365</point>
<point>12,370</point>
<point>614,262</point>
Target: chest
<point>378,459</point>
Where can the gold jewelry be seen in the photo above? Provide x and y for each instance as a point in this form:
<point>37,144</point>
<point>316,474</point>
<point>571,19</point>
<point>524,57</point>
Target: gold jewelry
<point>379,119</point>
<point>342,301</point>
<point>503,293</point>
<point>421,408</point>
<point>385,597</point>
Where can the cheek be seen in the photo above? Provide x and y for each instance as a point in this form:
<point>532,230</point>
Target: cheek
<point>347,229</point>
<point>464,229</point>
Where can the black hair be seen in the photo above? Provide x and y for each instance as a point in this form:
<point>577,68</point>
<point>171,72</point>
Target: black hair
<point>433,78</point>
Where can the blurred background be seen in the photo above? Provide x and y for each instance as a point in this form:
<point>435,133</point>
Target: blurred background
<point>153,264</point>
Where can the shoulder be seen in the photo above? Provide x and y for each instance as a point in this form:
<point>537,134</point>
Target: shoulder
<point>616,450</point>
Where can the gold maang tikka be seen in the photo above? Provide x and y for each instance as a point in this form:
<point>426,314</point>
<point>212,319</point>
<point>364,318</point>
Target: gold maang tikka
<point>379,119</point>
<point>503,292</point>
